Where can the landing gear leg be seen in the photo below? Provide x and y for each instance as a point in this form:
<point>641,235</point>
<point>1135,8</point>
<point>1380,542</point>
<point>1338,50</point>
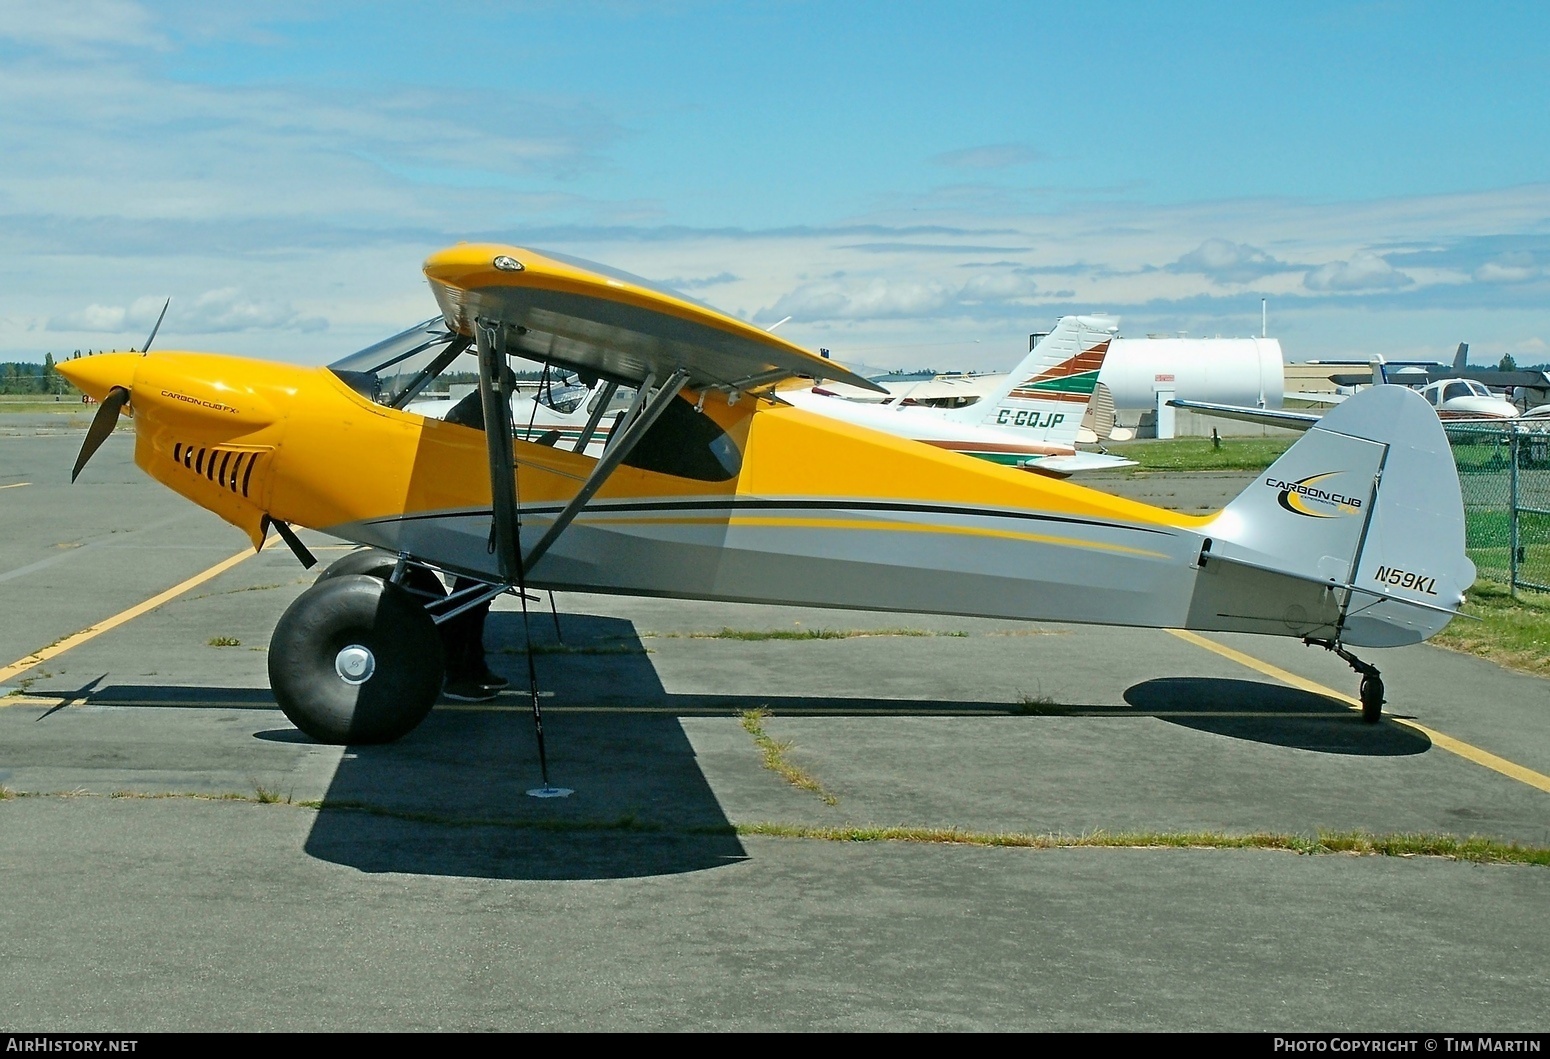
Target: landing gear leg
<point>1372,681</point>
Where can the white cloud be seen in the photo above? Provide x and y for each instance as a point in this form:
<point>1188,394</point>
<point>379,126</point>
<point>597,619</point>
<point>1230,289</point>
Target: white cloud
<point>720,279</point>
<point>1228,262</point>
<point>868,299</point>
<point>882,298</point>
<point>213,312</point>
<point>988,156</point>
<point>227,310</point>
<point>1509,268</point>
<point>105,319</point>
<point>78,27</point>
<point>1363,272</point>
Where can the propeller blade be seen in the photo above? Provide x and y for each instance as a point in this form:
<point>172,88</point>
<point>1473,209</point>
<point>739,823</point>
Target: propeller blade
<point>101,425</point>
<point>147,347</point>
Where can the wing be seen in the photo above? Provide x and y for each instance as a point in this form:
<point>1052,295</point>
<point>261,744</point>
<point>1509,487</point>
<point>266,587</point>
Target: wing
<point>1263,416</point>
<point>588,318</point>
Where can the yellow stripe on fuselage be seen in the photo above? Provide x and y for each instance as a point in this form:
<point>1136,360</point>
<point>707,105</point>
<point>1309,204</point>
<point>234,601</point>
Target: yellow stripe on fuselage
<point>794,522</point>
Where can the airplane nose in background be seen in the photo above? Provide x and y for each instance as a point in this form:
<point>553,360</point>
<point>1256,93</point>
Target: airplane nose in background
<point>99,374</point>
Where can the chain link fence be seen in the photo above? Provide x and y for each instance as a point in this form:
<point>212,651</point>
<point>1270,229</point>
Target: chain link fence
<point>1504,472</point>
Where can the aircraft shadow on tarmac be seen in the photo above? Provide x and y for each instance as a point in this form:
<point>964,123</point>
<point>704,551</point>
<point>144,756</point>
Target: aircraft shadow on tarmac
<point>1272,713</point>
<point>450,798</point>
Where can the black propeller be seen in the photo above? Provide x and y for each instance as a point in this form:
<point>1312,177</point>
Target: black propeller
<point>101,426</point>
<point>106,419</point>
<point>162,316</point>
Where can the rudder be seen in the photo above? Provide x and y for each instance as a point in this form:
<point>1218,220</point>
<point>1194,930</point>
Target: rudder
<point>1366,507</point>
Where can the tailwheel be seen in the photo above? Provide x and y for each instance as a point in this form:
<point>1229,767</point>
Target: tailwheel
<point>1372,680</point>
<point>356,659</point>
<point>1372,698</point>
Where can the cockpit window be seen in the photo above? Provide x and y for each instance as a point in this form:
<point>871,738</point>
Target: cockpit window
<point>687,444</point>
<point>429,363</point>
<point>1455,389</point>
<point>1478,389</point>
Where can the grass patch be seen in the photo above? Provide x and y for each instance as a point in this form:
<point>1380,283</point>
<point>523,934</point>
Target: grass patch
<point>1473,848</point>
<point>224,641</point>
<point>23,686</point>
<point>1511,632</point>
<point>1480,850</point>
<point>47,404</point>
<point>797,634</point>
<point>775,757</point>
<point>1038,706</point>
<point>1198,454</point>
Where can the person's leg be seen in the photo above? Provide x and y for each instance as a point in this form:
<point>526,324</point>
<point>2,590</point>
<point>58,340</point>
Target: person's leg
<point>468,675</point>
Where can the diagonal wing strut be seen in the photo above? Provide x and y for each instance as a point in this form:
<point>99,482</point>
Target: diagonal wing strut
<point>495,396</point>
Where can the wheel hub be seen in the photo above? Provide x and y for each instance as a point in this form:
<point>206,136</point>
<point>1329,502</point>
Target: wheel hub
<point>355,664</point>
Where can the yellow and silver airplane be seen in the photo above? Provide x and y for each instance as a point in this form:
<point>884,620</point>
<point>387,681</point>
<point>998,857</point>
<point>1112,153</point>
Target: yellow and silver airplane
<point>712,487</point>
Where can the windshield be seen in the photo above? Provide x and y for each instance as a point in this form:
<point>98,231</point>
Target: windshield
<point>392,371</point>
<point>429,363</point>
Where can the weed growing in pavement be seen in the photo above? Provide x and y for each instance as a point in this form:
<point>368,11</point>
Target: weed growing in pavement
<point>775,756</point>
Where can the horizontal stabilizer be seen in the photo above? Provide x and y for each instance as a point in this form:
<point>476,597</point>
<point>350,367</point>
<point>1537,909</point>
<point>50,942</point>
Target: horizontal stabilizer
<point>1077,463</point>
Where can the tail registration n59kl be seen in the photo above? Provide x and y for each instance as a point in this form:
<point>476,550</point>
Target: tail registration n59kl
<point>712,487</point>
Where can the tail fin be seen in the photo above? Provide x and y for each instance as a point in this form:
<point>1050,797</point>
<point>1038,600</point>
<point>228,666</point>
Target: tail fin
<point>1461,358</point>
<point>1355,533</point>
<point>1048,392</point>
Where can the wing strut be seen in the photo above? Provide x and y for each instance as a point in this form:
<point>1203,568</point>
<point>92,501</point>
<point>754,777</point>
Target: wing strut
<point>495,381</point>
<point>604,396</point>
<point>495,398</point>
<point>618,448</point>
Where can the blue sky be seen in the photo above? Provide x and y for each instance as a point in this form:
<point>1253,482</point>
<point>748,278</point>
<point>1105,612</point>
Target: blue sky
<point>913,184</point>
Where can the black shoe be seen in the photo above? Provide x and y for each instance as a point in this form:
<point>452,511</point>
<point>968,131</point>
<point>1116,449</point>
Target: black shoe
<point>466,689</point>
<point>486,677</point>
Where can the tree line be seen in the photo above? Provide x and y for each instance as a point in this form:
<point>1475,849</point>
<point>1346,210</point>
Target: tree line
<point>25,377</point>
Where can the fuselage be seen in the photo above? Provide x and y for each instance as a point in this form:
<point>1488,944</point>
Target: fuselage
<point>818,512</point>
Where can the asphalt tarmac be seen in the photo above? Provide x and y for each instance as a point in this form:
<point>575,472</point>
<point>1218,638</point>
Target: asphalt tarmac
<point>158,872</point>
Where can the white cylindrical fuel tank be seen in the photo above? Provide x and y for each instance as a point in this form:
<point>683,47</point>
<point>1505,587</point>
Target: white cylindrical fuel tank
<point>1241,371</point>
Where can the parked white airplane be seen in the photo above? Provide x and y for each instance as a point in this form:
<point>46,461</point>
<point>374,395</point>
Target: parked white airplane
<point>1467,399</point>
<point>1029,421</point>
<point>1453,400</point>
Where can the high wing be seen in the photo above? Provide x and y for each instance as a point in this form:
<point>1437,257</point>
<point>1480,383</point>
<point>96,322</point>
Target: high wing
<point>596,321</point>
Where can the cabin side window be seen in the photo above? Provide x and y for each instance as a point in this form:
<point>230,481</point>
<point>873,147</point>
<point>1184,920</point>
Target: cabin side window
<point>687,444</point>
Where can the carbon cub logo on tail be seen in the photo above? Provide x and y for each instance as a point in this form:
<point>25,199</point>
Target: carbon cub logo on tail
<point>1307,497</point>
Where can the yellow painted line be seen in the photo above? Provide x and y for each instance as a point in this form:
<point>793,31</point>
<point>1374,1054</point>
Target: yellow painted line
<point>1469,752</point>
<point>59,647</point>
<point>15,485</point>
